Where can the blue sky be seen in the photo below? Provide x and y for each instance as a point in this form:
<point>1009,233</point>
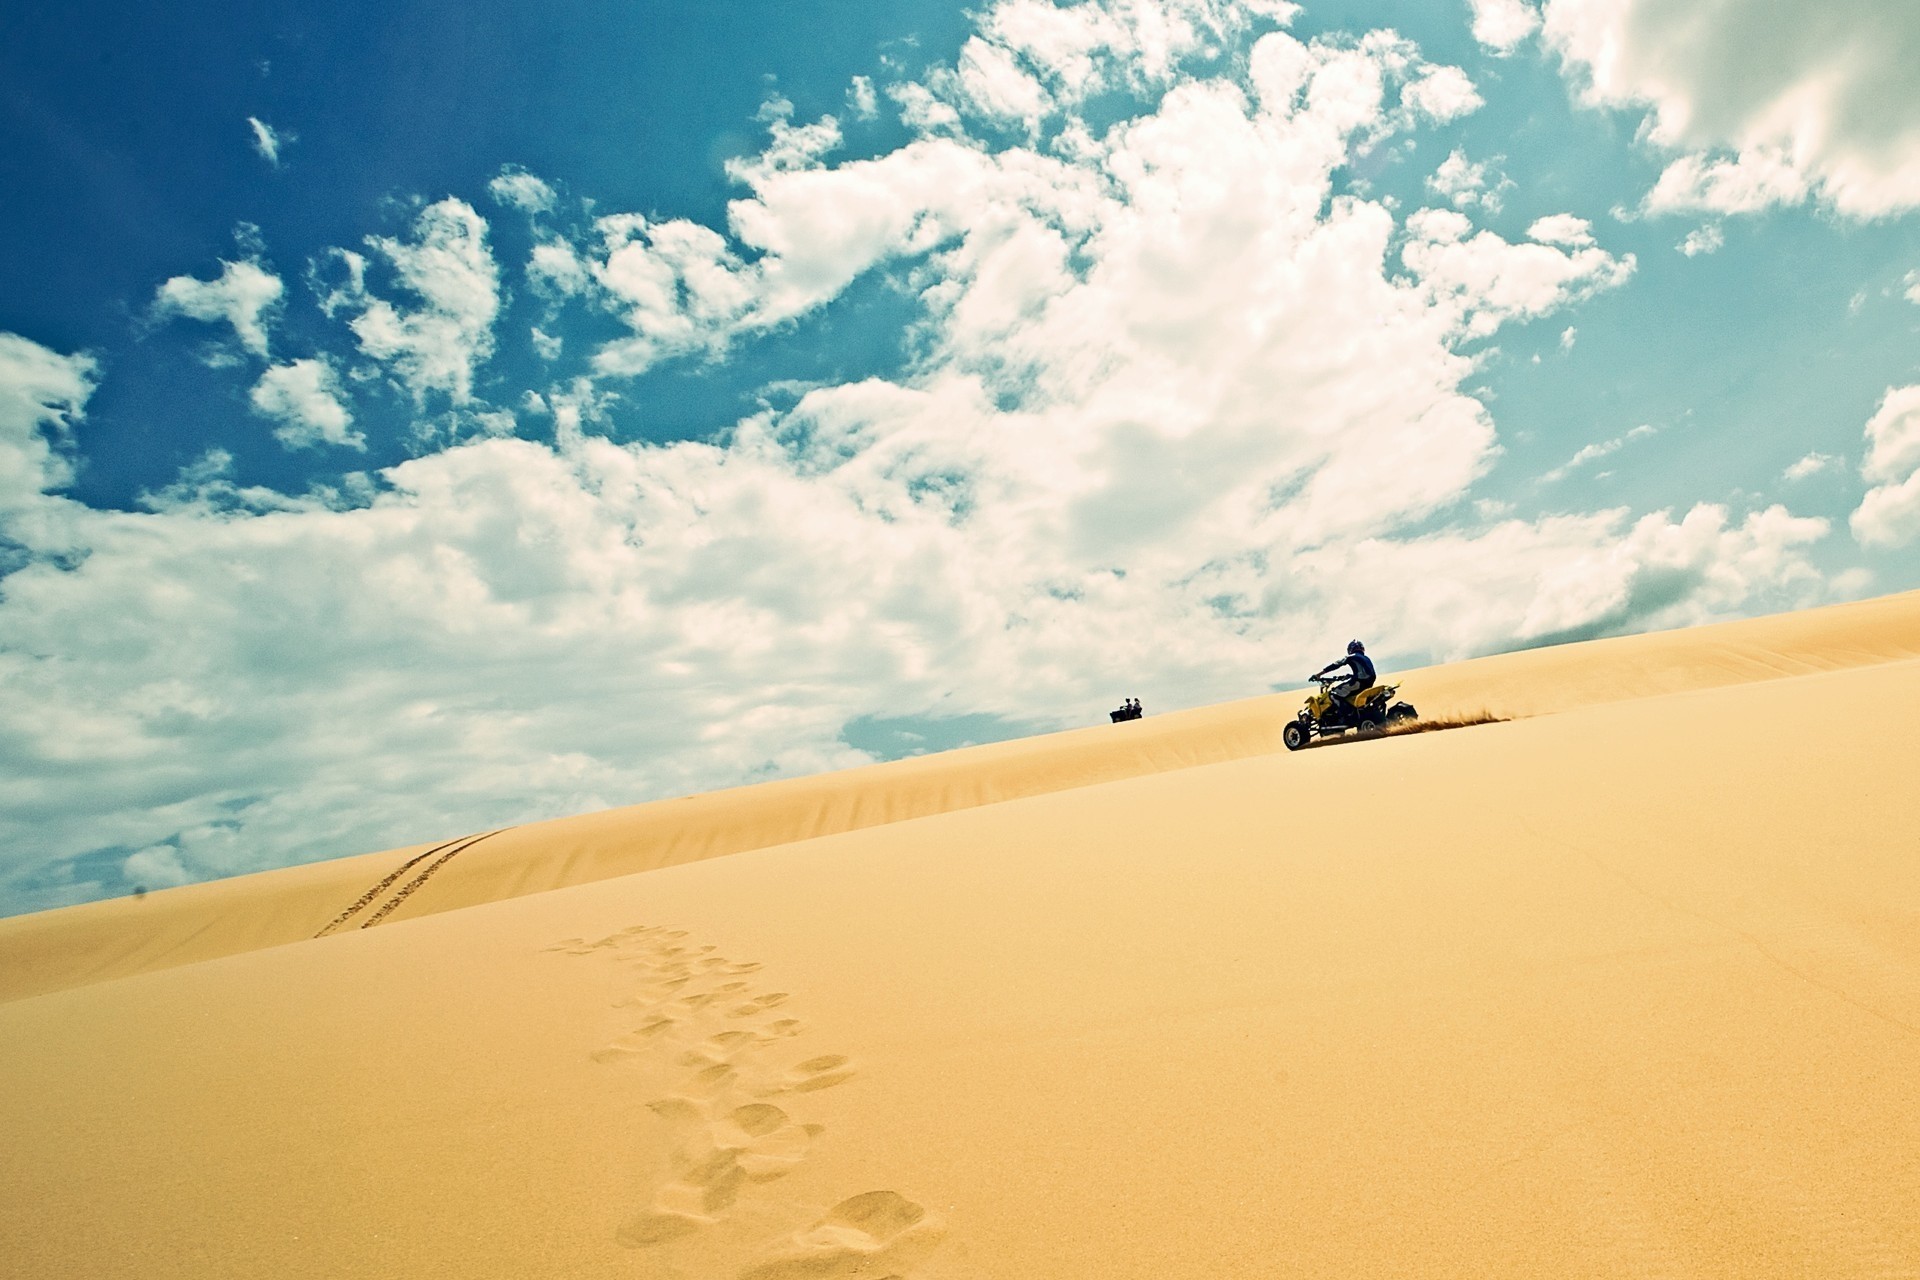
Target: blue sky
<point>422,418</point>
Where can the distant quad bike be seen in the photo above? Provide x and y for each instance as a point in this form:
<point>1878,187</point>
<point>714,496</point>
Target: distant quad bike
<point>1324,715</point>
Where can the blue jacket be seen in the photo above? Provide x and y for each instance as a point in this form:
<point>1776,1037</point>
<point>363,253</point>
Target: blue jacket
<point>1362,668</point>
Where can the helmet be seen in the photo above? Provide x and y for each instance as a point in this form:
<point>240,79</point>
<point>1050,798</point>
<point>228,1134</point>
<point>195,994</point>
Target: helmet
<point>1354,646</point>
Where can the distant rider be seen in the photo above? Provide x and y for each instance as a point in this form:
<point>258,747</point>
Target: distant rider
<point>1363,673</point>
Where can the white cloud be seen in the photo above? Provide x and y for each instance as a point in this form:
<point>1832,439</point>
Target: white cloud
<point>1501,25</point>
<point>157,867</point>
<point>995,84</point>
<point>1912,282</point>
<point>41,392</point>
<point>546,345</point>
<point>1746,183</point>
<point>1568,336</point>
<point>437,345</point>
<point>305,397</point>
<point>1077,50</point>
<point>1587,453</point>
<point>244,296</point>
<point>1598,449</point>
<point>556,270</point>
<point>1804,98</point>
<point>1893,436</point>
<point>1707,239</point>
<point>1441,94</point>
<point>267,141</point>
<point>1562,229</point>
<point>518,189</point>
<point>1889,514</point>
<point>1811,465</point>
<point>862,102</point>
<point>1570,577</point>
<point>1462,183</point>
<point>1481,281</point>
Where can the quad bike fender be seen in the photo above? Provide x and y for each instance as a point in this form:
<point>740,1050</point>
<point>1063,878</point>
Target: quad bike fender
<point>1377,693</point>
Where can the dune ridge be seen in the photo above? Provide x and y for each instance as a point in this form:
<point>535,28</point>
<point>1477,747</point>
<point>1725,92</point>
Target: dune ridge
<point>1627,988</point>
<point>54,950</point>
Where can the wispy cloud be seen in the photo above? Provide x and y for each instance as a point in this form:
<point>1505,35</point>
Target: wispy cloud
<point>1595,451</point>
<point>268,141</point>
<point>1811,465</point>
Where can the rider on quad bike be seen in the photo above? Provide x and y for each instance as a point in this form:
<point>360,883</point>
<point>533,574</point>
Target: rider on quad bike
<point>1354,704</point>
<point>1363,672</point>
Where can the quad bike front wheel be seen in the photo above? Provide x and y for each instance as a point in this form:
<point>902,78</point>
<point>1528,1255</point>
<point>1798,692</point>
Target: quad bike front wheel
<point>1295,735</point>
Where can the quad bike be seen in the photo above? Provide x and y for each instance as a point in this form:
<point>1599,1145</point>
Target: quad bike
<point>1325,714</point>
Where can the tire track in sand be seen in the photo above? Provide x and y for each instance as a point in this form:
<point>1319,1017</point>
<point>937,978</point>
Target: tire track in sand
<point>696,1011</point>
<point>445,851</point>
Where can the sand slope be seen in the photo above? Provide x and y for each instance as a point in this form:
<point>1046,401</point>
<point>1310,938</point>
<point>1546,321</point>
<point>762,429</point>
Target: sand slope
<point>54,950</point>
<point>1632,988</point>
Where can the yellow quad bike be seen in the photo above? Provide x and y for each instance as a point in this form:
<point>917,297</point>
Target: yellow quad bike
<point>1324,715</point>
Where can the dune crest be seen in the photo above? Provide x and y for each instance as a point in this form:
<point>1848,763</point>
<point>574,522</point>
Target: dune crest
<point>55,950</point>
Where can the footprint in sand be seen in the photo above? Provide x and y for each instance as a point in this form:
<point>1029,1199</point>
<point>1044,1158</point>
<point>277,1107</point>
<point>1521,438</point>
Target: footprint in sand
<point>823,1072</point>
<point>759,1004</point>
<point>715,1152</point>
<point>878,1233</point>
<point>696,1011</point>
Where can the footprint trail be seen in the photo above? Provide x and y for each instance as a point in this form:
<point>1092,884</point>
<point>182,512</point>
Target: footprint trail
<point>731,1117</point>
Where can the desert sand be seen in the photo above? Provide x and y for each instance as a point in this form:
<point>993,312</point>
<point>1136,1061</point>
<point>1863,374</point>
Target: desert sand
<point>1628,984</point>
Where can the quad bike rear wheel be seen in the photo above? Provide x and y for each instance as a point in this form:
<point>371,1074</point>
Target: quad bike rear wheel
<point>1295,735</point>
<point>1401,712</point>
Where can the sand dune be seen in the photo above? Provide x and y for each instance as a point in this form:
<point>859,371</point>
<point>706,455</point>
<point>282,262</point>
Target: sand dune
<point>1629,985</point>
<point>51,951</point>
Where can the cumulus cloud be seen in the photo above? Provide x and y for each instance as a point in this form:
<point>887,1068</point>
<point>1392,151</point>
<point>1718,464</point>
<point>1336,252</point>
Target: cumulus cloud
<point>436,345</point>
<point>41,394</point>
<point>1746,183</point>
<point>1562,229</point>
<point>518,189</point>
<point>1889,515</point>
<point>305,397</point>
<point>1463,184</point>
<point>1769,101</point>
<point>1707,239</point>
<point>1501,25</point>
<point>1175,408</point>
<point>1441,94</point>
<point>245,296</point>
<point>1573,577</point>
<point>1075,51</point>
<point>267,141</point>
<point>1481,281</point>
